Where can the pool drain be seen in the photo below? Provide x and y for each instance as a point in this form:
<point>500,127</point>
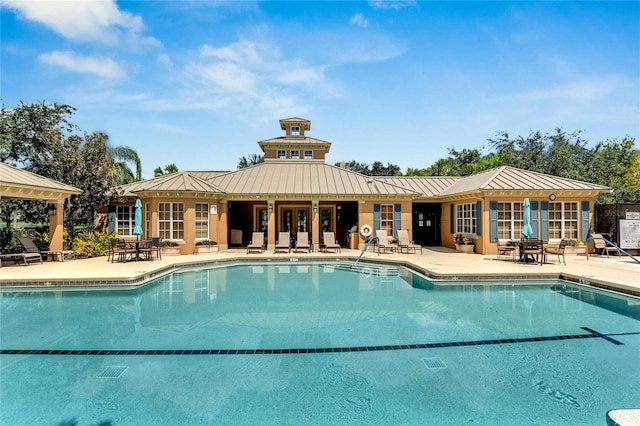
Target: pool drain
<point>112,372</point>
<point>434,363</point>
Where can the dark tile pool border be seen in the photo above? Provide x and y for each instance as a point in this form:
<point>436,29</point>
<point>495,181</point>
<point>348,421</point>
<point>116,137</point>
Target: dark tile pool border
<point>286,351</point>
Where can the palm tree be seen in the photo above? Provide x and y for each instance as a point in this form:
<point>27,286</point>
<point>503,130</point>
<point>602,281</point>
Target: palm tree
<point>121,172</point>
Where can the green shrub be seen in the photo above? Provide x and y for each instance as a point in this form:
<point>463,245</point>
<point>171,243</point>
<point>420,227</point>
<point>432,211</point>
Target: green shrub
<point>92,243</point>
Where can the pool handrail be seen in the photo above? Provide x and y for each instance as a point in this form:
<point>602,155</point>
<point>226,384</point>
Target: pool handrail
<point>366,246</point>
<point>609,243</point>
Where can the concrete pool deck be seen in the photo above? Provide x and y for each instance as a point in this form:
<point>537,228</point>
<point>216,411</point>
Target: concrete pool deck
<point>437,262</point>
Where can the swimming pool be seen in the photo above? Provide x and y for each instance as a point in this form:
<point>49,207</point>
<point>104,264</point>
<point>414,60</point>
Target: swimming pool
<point>310,343</point>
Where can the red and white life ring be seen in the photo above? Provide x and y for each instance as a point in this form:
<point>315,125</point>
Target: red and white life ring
<point>366,231</point>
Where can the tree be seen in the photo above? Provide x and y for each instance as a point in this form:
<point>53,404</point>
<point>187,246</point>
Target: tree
<point>253,159</point>
<point>40,138</point>
<point>168,169</point>
<point>121,172</point>
<point>377,169</point>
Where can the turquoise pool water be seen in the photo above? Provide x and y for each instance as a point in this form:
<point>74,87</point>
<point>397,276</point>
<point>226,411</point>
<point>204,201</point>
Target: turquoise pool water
<point>320,344</point>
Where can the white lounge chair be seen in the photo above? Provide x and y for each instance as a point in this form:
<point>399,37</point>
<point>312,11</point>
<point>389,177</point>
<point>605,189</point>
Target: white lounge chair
<point>256,243</point>
<point>405,243</point>
<point>330,242</point>
<point>284,242</point>
<point>302,241</point>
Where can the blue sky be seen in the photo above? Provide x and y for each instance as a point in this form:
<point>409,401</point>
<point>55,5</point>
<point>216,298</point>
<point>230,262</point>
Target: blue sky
<point>199,83</point>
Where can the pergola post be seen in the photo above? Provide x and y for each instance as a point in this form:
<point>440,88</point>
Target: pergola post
<point>56,225</point>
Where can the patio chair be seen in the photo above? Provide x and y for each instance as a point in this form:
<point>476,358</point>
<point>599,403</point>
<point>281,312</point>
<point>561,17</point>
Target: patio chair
<point>383,241</point>
<point>123,249</point>
<point>30,247</point>
<point>155,247</point>
<point>531,248</point>
<point>284,242</point>
<point>24,257</point>
<point>405,243</point>
<point>559,251</point>
<point>330,242</point>
<point>302,241</point>
<point>506,249</point>
<point>256,243</point>
<point>145,249</point>
<point>601,247</point>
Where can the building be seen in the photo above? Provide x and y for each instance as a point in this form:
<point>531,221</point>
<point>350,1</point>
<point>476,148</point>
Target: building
<point>295,190</point>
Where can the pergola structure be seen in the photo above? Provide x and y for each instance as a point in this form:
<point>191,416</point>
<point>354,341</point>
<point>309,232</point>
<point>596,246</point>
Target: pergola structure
<point>18,184</point>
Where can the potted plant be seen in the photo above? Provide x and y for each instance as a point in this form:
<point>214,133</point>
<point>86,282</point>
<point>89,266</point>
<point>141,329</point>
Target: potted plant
<point>574,246</point>
<point>206,246</point>
<point>463,243</point>
<point>170,248</point>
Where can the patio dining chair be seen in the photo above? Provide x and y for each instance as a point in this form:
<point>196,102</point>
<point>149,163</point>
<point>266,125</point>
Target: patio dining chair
<point>559,251</point>
<point>506,249</point>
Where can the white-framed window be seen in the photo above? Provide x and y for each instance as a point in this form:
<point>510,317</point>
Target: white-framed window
<point>308,154</point>
<point>295,154</point>
<point>171,221</point>
<point>295,130</point>
<point>125,221</point>
<point>466,221</point>
<point>563,220</point>
<point>202,221</point>
<point>386,218</point>
<point>510,220</point>
<point>282,153</point>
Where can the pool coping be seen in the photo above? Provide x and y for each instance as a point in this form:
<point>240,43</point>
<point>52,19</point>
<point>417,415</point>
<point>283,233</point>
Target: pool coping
<point>141,279</point>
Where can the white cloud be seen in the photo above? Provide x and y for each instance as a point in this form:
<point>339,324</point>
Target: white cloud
<point>103,67</point>
<point>95,21</point>
<point>240,52</point>
<point>391,4</point>
<point>164,59</point>
<point>359,20</point>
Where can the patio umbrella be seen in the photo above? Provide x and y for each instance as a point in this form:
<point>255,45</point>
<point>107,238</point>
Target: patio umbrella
<point>137,229</point>
<point>527,231</point>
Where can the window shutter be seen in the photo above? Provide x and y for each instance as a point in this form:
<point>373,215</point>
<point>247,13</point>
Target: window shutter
<point>478,218</point>
<point>397,218</point>
<point>534,218</point>
<point>586,209</point>
<point>376,217</point>
<point>493,220</point>
<point>453,218</point>
<point>545,220</point>
<point>111,225</point>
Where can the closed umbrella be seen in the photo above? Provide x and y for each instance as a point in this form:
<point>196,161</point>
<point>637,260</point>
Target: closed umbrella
<point>137,229</point>
<point>527,230</point>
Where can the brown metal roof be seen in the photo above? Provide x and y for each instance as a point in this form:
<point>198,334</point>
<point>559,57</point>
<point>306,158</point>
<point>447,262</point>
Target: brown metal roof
<point>181,181</point>
<point>304,178</point>
<point>428,186</point>
<point>511,178</point>
<point>20,184</point>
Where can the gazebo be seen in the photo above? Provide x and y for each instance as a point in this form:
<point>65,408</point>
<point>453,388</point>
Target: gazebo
<point>18,184</point>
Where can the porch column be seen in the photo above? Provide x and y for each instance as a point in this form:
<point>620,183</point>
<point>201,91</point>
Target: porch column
<point>56,226</point>
<point>271,225</point>
<point>223,225</point>
<point>315,224</point>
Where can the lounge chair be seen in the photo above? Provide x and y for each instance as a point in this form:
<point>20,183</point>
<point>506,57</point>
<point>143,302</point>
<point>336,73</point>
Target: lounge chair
<point>24,257</point>
<point>559,251</point>
<point>256,243</point>
<point>506,249</point>
<point>330,242</point>
<point>30,247</point>
<point>284,242</point>
<point>383,241</point>
<point>302,241</point>
<point>405,244</point>
<point>601,247</point>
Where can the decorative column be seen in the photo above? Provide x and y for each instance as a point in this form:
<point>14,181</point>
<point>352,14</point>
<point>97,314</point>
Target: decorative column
<point>223,225</point>
<point>315,225</point>
<point>56,225</point>
<point>271,225</point>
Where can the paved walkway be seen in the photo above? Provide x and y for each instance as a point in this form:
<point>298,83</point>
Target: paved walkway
<point>438,262</point>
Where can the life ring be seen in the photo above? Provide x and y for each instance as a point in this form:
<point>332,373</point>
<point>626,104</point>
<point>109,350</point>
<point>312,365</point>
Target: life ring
<point>366,231</point>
